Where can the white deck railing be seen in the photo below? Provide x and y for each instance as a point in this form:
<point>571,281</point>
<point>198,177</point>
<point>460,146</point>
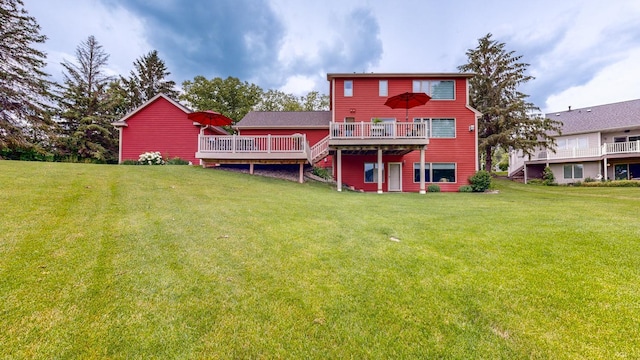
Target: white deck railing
<point>253,144</point>
<point>622,147</point>
<point>383,130</point>
<point>319,148</point>
<point>516,159</point>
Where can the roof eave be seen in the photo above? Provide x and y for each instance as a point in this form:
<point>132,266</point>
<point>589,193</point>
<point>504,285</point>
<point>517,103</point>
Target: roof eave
<point>399,75</point>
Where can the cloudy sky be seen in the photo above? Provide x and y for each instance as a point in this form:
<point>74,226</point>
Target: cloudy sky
<point>581,52</point>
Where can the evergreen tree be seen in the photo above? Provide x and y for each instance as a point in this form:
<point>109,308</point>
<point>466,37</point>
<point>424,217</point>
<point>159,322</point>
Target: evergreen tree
<point>147,80</point>
<point>25,91</point>
<point>508,120</point>
<point>85,113</point>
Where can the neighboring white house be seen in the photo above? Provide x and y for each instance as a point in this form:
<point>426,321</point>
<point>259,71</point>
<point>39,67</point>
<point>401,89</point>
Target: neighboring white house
<point>598,142</point>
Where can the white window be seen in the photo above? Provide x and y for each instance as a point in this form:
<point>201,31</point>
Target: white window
<point>573,143</point>
<point>435,172</point>
<point>437,89</point>
<point>439,128</point>
<point>348,88</point>
<point>371,173</point>
<point>573,171</point>
<point>383,88</point>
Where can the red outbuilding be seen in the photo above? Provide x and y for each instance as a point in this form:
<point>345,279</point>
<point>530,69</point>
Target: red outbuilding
<point>161,124</point>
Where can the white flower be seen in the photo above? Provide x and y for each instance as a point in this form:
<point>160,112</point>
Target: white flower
<point>151,158</point>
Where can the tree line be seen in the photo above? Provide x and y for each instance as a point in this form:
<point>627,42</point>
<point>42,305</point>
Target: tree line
<point>71,121</point>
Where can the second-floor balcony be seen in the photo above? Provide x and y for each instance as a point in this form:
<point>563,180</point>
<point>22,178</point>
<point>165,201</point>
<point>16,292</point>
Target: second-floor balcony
<point>618,149</point>
<point>382,133</point>
<point>381,130</point>
<point>629,147</point>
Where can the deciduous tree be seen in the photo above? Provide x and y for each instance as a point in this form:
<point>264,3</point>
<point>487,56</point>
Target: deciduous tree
<point>508,120</point>
<point>229,96</point>
<point>276,100</point>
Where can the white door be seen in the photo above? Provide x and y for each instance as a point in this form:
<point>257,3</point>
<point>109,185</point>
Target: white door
<point>395,176</point>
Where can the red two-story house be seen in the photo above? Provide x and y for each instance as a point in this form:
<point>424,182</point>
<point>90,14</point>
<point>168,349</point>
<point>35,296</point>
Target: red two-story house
<point>377,148</point>
<point>371,146</point>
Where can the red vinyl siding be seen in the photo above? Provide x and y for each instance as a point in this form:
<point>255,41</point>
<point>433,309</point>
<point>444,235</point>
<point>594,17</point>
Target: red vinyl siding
<point>160,126</point>
<point>366,104</point>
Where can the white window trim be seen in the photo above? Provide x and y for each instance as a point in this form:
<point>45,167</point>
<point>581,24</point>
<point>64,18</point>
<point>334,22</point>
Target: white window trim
<point>430,83</point>
<point>375,172</point>
<point>344,88</point>
<point>430,165</point>
<point>386,88</point>
<point>430,127</point>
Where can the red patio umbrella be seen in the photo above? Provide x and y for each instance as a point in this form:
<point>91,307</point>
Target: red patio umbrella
<point>210,117</point>
<point>407,101</point>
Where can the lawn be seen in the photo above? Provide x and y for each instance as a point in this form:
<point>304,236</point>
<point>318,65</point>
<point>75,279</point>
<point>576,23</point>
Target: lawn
<point>120,262</point>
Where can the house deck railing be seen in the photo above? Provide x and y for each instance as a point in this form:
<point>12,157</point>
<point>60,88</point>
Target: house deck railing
<point>253,144</point>
<point>382,130</point>
<point>622,147</point>
<point>517,159</point>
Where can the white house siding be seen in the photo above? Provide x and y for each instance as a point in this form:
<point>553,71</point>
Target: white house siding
<point>590,170</point>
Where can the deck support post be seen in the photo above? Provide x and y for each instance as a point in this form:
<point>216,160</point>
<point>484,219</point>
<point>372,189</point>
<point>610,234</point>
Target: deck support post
<point>605,171</point>
<point>251,168</point>
<point>380,165</point>
<point>339,169</point>
<point>423,190</point>
<point>301,179</point>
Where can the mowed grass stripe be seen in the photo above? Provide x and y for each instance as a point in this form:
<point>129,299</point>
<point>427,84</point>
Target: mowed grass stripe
<point>181,262</point>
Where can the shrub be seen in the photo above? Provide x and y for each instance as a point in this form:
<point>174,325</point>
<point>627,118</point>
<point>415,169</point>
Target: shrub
<point>433,188</point>
<point>615,183</point>
<point>480,181</point>
<point>151,158</point>
<point>547,177</point>
<point>321,172</point>
<point>129,162</point>
<point>465,189</point>
<point>534,182</point>
<point>178,161</point>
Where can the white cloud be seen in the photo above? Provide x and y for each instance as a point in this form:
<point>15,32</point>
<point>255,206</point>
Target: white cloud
<point>617,82</point>
<point>66,23</point>
<point>299,85</point>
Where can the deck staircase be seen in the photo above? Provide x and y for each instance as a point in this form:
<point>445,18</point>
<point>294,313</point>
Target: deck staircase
<point>319,151</point>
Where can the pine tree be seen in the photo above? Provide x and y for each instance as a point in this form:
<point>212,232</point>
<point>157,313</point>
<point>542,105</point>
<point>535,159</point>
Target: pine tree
<point>84,105</point>
<point>147,80</point>
<point>508,120</point>
<point>24,88</point>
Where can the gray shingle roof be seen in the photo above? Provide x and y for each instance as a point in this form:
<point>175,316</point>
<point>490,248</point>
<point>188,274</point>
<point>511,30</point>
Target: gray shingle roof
<point>285,119</point>
<point>616,116</point>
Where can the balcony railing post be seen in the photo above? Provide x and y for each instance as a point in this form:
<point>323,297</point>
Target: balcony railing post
<point>233,143</point>
<point>269,143</point>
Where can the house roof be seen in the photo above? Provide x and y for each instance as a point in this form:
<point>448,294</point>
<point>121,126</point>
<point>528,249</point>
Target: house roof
<point>123,122</point>
<point>399,75</point>
<point>285,119</point>
<point>608,117</point>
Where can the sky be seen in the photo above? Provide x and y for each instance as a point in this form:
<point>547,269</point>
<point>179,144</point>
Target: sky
<point>582,53</point>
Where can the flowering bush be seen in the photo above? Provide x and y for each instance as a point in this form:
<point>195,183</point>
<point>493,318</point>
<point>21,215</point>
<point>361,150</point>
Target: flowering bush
<point>151,158</point>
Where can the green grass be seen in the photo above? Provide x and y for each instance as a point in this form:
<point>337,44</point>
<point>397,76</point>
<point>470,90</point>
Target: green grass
<point>122,262</point>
